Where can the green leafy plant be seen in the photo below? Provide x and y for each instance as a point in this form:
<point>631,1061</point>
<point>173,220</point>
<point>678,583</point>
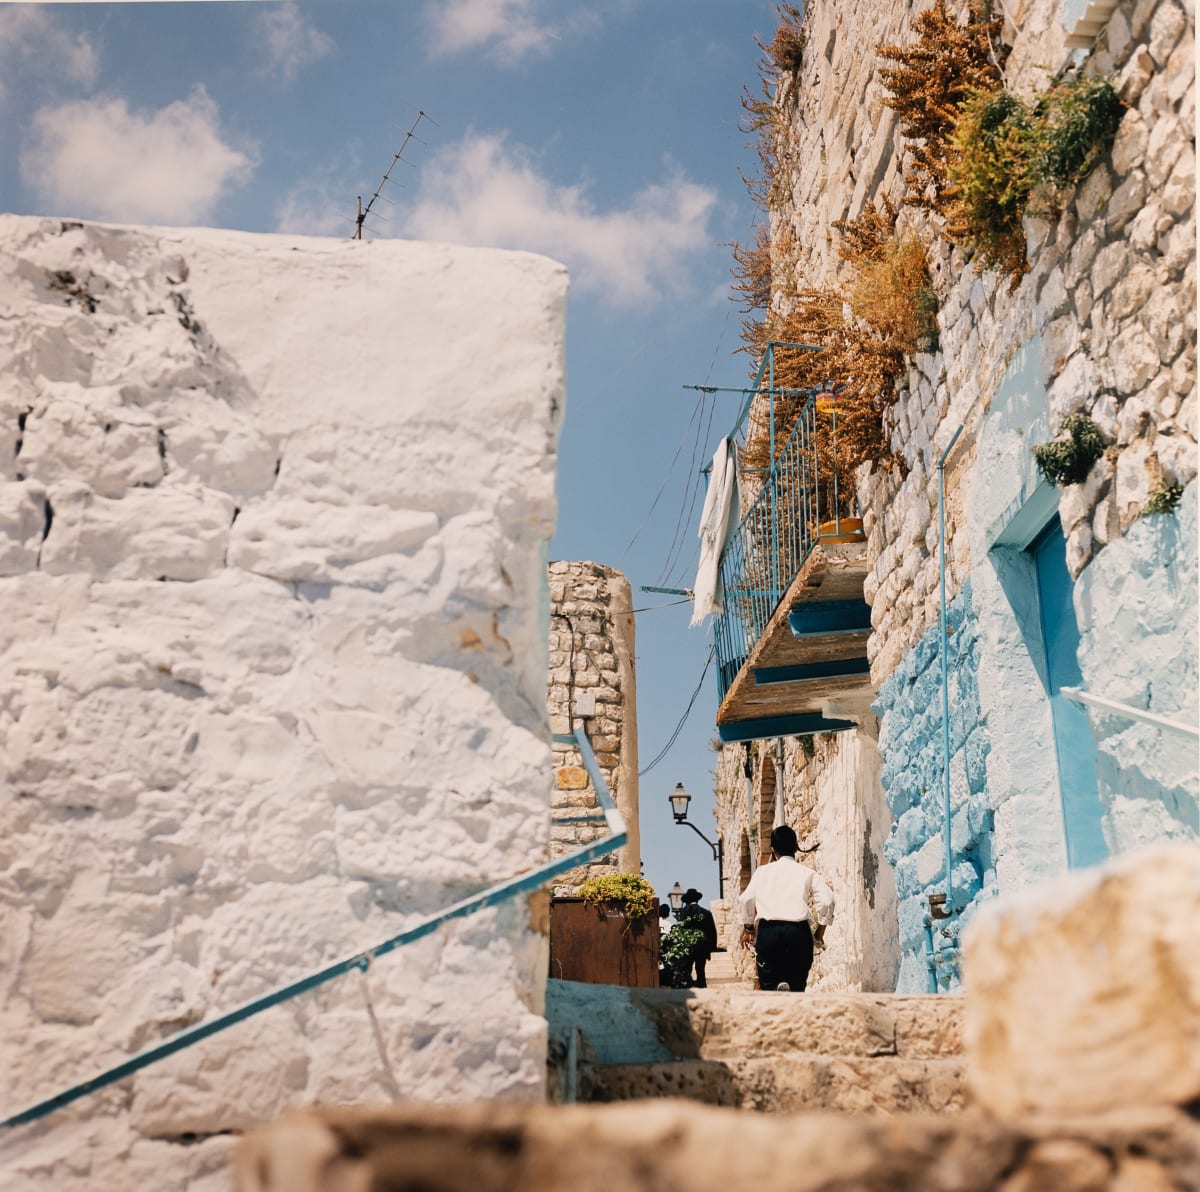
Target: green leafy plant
<point>677,950</point>
<point>992,169</point>
<point>633,893</point>
<point>1164,498</point>
<point>1078,119</point>
<point>1068,461</point>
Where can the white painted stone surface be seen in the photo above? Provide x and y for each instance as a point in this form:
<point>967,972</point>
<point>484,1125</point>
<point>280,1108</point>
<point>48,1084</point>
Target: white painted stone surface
<point>1083,994</point>
<point>1144,654</point>
<point>273,522</point>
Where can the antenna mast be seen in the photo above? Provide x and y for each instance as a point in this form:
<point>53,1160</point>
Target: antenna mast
<point>362,213</point>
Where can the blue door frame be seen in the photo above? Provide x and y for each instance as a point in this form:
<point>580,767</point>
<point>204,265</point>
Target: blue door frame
<point>1074,744</point>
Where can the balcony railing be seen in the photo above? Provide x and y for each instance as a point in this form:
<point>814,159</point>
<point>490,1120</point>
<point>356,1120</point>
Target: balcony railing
<point>792,503</point>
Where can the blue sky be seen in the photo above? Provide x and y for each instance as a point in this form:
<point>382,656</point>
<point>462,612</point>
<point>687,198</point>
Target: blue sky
<point>605,135</point>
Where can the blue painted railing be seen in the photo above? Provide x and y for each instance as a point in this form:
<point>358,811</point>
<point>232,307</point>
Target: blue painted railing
<point>361,961</point>
<point>796,494</point>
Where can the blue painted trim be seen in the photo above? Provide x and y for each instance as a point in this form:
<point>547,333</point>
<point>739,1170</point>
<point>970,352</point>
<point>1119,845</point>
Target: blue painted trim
<point>802,724</point>
<point>501,892</point>
<point>832,617</point>
<point>809,672</point>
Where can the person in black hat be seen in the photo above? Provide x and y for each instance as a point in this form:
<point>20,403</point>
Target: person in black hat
<point>694,915</point>
<point>777,917</point>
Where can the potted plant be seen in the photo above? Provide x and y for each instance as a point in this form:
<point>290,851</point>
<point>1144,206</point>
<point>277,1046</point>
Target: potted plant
<point>607,933</point>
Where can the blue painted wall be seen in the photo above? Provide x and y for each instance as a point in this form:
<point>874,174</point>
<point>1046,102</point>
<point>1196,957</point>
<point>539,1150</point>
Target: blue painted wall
<point>910,741</point>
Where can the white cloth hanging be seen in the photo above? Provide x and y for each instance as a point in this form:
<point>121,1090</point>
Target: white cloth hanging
<point>716,523</point>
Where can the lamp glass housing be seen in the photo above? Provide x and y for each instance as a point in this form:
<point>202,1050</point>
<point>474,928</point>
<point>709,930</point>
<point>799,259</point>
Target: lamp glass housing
<point>679,802</point>
<point>675,894</point>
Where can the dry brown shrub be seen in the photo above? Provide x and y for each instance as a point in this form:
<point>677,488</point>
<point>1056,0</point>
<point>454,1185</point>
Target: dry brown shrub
<point>932,77</point>
<point>752,270</point>
<point>786,50</point>
<point>892,292</point>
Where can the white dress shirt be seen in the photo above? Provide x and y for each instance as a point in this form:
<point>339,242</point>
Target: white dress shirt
<point>781,890</point>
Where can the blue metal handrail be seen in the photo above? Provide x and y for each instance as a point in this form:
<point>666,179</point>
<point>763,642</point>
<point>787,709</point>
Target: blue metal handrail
<point>781,524</point>
<point>360,961</point>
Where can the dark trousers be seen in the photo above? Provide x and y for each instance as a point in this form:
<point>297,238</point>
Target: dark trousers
<point>783,952</point>
<point>700,962</point>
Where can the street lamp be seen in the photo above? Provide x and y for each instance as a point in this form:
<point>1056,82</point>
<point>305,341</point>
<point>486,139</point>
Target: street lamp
<point>679,808</point>
<point>675,894</point>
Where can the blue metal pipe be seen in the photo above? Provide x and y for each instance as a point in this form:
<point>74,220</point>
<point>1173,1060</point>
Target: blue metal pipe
<point>930,959</point>
<point>943,651</point>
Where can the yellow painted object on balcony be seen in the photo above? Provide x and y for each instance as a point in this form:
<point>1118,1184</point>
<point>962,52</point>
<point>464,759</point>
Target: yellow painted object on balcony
<point>846,529</point>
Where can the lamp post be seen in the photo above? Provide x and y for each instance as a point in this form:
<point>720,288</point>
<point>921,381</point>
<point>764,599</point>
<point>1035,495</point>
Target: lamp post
<point>679,808</point>
<point>675,896</point>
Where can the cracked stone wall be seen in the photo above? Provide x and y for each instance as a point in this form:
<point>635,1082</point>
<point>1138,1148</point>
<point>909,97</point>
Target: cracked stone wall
<point>592,686</point>
<point>272,677</point>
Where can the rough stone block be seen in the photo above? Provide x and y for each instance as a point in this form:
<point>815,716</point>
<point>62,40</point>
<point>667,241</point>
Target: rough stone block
<point>1084,994</point>
<point>651,1146</point>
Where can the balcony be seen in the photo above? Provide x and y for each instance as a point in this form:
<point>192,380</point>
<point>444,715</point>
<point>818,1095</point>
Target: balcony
<point>791,644</point>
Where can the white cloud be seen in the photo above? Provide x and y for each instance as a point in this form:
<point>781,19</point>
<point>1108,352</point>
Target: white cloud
<point>482,192</point>
<point>511,30</point>
<point>98,159</point>
<point>292,42</point>
<point>33,44</point>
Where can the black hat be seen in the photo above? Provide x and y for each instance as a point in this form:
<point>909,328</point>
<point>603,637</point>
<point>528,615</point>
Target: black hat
<point>693,895</point>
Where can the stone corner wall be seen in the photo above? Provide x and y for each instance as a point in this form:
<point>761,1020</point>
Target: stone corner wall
<point>592,660</point>
<point>272,680</point>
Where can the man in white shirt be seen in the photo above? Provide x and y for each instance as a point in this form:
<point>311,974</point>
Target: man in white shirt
<point>776,902</point>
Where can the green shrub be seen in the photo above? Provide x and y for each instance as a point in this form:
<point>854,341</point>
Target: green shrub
<point>632,892</point>
<point>995,146</point>
<point>677,950</point>
<point>1079,119</point>
<point>1164,498</point>
<point>1068,461</point>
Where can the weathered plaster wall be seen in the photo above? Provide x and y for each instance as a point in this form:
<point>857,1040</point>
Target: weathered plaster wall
<point>1140,648</point>
<point>272,676</point>
<point>592,659</point>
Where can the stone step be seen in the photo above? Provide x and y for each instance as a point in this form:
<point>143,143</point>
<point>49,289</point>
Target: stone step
<point>652,1146</point>
<point>850,1084</point>
<point>616,1025</point>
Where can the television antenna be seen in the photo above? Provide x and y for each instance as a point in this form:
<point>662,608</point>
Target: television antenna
<point>362,213</point>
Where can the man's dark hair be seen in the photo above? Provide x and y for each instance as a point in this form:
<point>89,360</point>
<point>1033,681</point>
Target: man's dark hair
<point>784,842</point>
<point>664,911</point>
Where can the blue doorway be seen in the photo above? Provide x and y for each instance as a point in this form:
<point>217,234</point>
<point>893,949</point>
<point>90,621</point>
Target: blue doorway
<point>1074,743</point>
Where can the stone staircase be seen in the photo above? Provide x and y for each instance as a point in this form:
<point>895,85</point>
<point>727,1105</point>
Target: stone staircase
<point>732,1046</point>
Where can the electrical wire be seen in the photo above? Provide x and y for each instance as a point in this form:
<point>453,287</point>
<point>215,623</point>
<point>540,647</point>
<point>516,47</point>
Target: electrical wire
<point>693,488</point>
<point>696,413</point>
<point>662,753</point>
<point>677,535</point>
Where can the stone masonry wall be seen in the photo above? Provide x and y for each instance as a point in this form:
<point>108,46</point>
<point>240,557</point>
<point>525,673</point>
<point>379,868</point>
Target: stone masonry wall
<point>1104,323</point>
<point>910,706</point>
<point>272,678</point>
<point>592,664</point>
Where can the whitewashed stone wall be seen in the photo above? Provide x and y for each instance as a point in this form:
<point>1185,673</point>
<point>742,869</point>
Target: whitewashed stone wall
<point>592,660</point>
<point>273,520</point>
<point>827,788</point>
